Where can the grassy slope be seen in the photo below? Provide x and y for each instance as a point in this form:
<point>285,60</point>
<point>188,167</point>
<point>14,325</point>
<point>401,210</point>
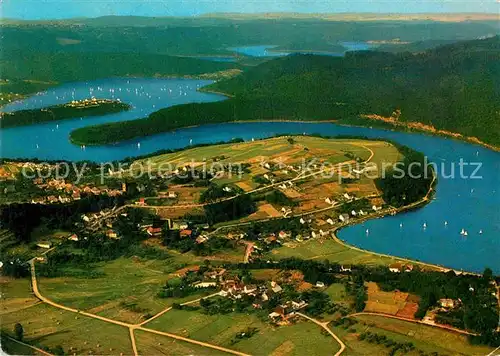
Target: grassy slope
<point>452,88</point>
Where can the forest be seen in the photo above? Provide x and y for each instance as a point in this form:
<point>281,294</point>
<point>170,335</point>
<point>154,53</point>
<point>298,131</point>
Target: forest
<point>451,88</point>
<point>59,112</point>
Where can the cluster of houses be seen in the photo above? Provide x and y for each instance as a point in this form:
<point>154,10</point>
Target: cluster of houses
<point>69,191</point>
<point>79,104</point>
<point>232,287</point>
<point>400,267</point>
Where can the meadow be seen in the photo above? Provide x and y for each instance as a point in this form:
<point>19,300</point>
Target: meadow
<point>301,338</point>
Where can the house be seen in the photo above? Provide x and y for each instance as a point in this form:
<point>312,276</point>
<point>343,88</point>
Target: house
<point>344,218</point>
<point>395,267</point>
<point>154,231</point>
<point>275,287</point>
<point>376,208</point>
<point>183,226</point>
<point>408,268</point>
<point>85,218</point>
<point>347,196</point>
<point>353,213</point>
<point>201,239</point>
<point>76,196</point>
<point>73,237</point>
<point>172,195</point>
<point>346,268</point>
<point>46,245</point>
<point>111,234</point>
<point>266,176</point>
<point>217,273</point>
<point>447,303</point>
<point>302,221</point>
<point>271,239</point>
<point>327,200</point>
<point>186,233</point>
<point>248,289</point>
<point>205,285</point>
<point>40,259</point>
<point>322,233</point>
<point>320,284</point>
<point>298,305</point>
<point>267,165</point>
<point>362,213</point>
<point>330,221</point>
<point>283,235</point>
<point>313,234</point>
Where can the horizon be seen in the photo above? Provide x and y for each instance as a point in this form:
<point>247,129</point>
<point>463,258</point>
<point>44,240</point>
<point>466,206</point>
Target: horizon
<point>70,9</point>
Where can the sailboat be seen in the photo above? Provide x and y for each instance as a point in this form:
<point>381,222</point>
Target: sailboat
<point>446,223</point>
<point>425,225</point>
<point>401,225</point>
<point>464,232</point>
<point>367,231</point>
<point>138,145</point>
<point>480,232</point>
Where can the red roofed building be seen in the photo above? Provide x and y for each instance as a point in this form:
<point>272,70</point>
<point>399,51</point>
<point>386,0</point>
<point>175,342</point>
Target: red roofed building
<point>186,233</point>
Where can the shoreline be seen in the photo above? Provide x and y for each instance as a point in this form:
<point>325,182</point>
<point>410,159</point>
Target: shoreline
<point>416,205</point>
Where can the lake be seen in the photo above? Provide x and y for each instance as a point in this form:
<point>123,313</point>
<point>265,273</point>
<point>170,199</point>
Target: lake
<point>267,50</point>
<point>470,204</point>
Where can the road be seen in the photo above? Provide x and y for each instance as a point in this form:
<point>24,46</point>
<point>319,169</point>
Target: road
<point>131,327</point>
<point>325,327</point>
<point>28,345</point>
<point>446,327</point>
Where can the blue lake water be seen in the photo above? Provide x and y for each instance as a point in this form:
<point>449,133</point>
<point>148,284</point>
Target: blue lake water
<point>259,51</point>
<point>470,204</point>
<point>267,50</point>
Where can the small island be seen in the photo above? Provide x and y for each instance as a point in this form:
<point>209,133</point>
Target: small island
<point>71,110</point>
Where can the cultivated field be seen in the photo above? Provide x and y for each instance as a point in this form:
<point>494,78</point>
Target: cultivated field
<point>393,303</point>
<point>426,338</point>
<point>126,291</point>
<point>330,250</point>
<point>302,338</point>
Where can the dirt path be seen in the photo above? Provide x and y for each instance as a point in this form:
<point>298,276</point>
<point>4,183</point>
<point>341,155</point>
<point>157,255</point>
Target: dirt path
<point>131,327</point>
<point>132,339</point>
<point>28,345</point>
<point>446,327</point>
<point>173,336</point>
<point>325,327</point>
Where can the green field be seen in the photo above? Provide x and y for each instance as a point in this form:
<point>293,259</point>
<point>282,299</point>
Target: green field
<point>126,280</point>
<point>302,338</point>
<point>426,338</point>
<point>329,250</point>
<point>45,326</point>
<point>152,344</point>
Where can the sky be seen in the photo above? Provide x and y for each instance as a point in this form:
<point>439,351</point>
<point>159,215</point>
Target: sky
<point>58,9</point>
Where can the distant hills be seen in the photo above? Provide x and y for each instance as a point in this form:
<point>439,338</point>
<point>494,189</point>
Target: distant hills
<point>453,88</point>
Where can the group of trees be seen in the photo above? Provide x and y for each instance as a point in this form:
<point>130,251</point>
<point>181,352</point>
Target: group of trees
<point>407,181</point>
<point>59,112</point>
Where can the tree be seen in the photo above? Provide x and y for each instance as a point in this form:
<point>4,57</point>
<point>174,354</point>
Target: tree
<point>488,274</point>
<point>19,331</point>
<point>58,350</point>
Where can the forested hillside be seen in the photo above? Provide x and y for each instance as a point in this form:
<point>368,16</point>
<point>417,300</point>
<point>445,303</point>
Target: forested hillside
<point>454,87</point>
